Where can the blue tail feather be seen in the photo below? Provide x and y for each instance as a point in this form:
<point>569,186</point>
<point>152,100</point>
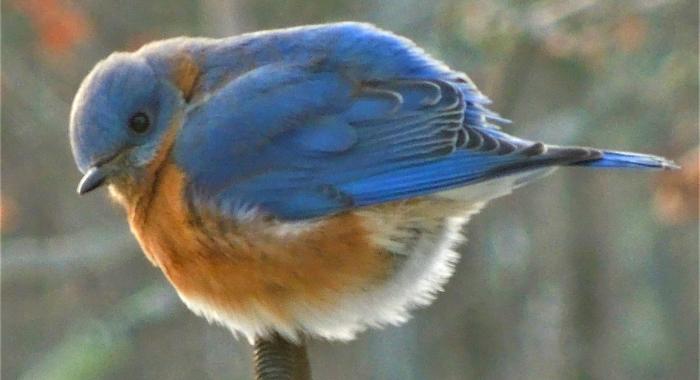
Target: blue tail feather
<point>615,160</point>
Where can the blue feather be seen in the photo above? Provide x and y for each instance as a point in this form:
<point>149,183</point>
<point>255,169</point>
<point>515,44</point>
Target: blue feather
<point>317,120</point>
<point>627,160</point>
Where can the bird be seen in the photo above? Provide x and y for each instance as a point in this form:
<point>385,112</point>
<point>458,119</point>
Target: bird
<point>307,181</point>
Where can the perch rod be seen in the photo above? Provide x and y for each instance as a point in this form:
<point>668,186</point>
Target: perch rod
<point>276,358</point>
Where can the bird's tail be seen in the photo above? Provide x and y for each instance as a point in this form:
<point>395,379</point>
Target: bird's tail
<point>539,160</point>
<point>627,160</point>
<point>538,155</point>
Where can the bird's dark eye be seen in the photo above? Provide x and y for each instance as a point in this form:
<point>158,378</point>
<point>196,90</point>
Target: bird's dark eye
<point>139,122</point>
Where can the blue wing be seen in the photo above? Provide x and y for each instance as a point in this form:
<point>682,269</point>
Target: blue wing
<point>305,138</point>
<point>311,144</point>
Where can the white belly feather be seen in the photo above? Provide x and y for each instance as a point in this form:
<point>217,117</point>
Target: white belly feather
<point>421,234</point>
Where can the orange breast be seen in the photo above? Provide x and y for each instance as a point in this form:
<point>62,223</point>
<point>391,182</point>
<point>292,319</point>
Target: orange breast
<point>233,265</point>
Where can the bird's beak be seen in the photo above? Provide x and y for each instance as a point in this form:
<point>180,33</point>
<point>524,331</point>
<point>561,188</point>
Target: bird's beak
<point>94,178</point>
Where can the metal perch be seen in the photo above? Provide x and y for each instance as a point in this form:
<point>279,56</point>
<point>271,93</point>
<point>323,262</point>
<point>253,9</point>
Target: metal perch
<point>276,358</point>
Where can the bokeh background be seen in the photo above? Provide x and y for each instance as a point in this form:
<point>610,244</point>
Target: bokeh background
<point>586,275</point>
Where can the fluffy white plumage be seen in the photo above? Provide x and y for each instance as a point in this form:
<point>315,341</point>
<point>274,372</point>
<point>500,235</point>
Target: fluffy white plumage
<point>420,234</point>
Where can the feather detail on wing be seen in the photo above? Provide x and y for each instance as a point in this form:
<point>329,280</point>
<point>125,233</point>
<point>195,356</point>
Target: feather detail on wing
<point>366,120</point>
<point>355,144</point>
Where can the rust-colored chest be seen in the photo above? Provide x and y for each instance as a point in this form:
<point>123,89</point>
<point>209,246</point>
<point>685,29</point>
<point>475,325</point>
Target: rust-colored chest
<point>235,266</point>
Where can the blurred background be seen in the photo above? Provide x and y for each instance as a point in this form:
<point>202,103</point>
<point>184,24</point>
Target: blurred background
<point>585,275</point>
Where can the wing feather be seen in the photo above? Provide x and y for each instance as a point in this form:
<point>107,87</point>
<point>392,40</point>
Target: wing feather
<point>300,141</point>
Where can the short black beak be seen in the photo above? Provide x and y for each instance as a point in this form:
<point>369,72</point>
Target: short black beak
<point>94,178</point>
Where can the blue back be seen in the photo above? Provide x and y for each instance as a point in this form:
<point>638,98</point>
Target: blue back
<point>311,121</point>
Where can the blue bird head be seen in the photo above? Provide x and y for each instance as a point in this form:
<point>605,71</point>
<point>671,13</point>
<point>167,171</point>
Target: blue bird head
<point>119,118</point>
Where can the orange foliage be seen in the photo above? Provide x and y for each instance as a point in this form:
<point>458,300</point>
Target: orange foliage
<point>631,33</point>
<point>676,198</point>
<point>59,26</point>
<point>9,215</point>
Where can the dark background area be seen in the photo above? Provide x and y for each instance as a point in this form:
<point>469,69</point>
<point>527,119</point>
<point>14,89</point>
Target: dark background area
<point>585,275</point>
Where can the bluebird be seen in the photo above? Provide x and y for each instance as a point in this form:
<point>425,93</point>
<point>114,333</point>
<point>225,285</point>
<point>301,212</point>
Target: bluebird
<point>310,180</point>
